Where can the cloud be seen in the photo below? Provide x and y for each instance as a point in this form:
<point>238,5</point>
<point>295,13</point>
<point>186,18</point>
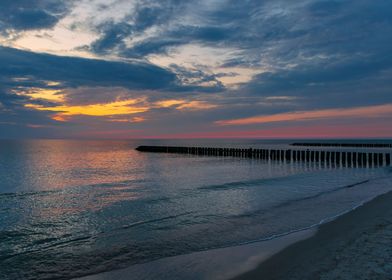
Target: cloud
<point>31,14</point>
<point>127,107</point>
<point>145,15</point>
<point>216,61</point>
<point>293,44</point>
<point>74,72</point>
<point>361,112</point>
<point>40,80</point>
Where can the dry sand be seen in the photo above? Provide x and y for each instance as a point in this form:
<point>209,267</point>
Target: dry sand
<point>357,245</point>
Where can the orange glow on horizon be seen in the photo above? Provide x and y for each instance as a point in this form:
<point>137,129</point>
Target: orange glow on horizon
<point>60,118</point>
<point>131,120</point>
<point>369,112</point>
<point>181,104</point>
<point>317,131</point>
<point>40,93</point>
<point>109,109</point>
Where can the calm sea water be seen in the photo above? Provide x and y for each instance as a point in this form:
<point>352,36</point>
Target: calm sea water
<point>75,208</point>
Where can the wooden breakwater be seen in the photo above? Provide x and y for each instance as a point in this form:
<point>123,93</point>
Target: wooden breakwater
<point>344,145</point>
<point>343,158</point>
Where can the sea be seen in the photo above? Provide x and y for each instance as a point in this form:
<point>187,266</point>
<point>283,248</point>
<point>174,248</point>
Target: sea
<point>73,208</point>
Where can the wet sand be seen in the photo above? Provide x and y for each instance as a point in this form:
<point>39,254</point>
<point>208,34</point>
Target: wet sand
<point>217,264</point>
<point>357,245</point>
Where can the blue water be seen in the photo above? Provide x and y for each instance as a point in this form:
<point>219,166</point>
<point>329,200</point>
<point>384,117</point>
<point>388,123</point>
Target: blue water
<point>75,208</point>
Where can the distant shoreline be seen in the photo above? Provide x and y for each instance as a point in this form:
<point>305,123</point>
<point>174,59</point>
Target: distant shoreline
<point>355,245</point>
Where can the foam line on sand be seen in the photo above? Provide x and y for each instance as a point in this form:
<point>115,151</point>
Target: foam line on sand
<point>357,245</point>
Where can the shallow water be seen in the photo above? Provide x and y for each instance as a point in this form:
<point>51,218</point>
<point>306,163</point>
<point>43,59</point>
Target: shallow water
<point>74,208</point>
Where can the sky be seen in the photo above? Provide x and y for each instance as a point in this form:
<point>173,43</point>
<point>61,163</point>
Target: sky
<point>195,69</point>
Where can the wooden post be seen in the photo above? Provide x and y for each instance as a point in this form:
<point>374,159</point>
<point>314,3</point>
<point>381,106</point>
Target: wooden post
<point>360,159</point>
<point>369,157</point>
<point>323,156</point>
<point>380,159</point>
<point>333,157</point>
<point>318,156</point>
<point>349,156</point>
<point>355,159</point>
<point>288,155</point>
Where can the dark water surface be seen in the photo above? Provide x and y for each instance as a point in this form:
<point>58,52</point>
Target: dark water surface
<point>75,208</point>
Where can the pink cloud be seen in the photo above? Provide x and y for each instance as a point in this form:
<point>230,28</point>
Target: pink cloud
<point>358,112</point>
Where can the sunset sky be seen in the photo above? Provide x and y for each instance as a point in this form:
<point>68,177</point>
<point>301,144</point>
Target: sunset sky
<point>203,68</point>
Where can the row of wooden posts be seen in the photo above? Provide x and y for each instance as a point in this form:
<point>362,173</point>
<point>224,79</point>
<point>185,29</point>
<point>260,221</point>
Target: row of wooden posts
<point>350,159</point>
<point>354,145</point>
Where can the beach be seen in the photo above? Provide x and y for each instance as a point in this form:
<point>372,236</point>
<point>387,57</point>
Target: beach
<point>357,245</point>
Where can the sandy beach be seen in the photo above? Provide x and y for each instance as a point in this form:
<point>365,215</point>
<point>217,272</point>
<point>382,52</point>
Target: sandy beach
<point>357,245</point>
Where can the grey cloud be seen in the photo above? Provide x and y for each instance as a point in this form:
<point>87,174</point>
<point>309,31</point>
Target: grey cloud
<point>147,14</point>
<point>31,14</point>
<point>74,72</point>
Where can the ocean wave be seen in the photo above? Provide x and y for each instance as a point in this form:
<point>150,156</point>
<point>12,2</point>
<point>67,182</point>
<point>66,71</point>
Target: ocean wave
<point>242,184</point>
<point>151,221</point>
<point>25,194</point>
<point>296,200</point>
<point>70,190</point>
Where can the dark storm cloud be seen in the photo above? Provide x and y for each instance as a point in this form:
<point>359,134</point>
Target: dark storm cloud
<point>147,14</point>
<point>315,76</point>
<point>230,23</point>
<point>74,72</point>
<point>31,14</point>
<point>278,33</point>
<point>325,53</point>
<point>348,44</point>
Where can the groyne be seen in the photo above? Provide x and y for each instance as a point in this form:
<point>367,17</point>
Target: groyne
<point>343,158</point>
<point>344,145</point>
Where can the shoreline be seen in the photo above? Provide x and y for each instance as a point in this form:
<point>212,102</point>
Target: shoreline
<point>320,245</point>
<point>356,245</point>
<point>221,263</point>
